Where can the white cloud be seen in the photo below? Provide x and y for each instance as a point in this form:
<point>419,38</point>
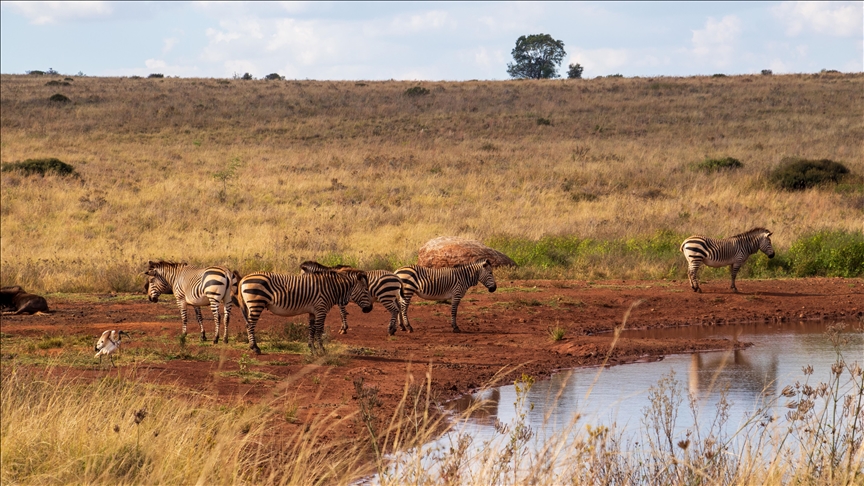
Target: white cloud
<point>421,22</point>
<point>598,62</point>
<point>716,42</point>
<point>40,13</point>
<point>840,19</point>
<point>169,43</point>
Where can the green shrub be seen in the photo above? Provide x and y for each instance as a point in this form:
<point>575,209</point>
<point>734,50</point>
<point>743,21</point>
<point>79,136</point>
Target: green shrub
<point>715,165</point>
<point>41,167</point>
<point>796,174</point>
<point>274,77</point>
<point>416,91</point>
<point>543,121</point>
<point>156,75</point>
<point>59,98</point>
<point>55,82</point>
<point>828,253</point>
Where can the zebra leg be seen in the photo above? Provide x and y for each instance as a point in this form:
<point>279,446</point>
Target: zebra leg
<point>404,304</point>
<point>454,306</point>
<point>394,316</point>
<point>312,334</point>
<point>214,308</point>
<point>692,274</point>
<point>225,323</point>
<point>319,331</point>
<point>734,270</point>
<point>251,318</point>
<point>200,323</point>
<point>183,316</point>
<point>344,315</point>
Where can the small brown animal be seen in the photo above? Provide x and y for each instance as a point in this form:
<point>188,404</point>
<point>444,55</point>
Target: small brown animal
<point>16,300</point>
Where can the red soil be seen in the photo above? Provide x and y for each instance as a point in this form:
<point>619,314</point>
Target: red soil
<point>500,330</point>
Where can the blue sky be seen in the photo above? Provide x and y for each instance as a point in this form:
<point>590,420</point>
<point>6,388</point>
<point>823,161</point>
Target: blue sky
<point>426,40</point>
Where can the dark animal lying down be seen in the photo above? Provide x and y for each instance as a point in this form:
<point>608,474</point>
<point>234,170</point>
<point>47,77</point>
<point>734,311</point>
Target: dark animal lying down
<point>17,301</point>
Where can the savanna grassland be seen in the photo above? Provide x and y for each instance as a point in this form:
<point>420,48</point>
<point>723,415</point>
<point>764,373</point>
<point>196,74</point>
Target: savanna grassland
<point>572,178</point>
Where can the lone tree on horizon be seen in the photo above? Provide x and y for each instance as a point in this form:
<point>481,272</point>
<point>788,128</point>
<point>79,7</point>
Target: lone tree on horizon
<point>536,57</point>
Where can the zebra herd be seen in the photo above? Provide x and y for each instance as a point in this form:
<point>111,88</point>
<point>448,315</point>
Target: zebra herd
<point>313,292</point>
<point>318,288</point>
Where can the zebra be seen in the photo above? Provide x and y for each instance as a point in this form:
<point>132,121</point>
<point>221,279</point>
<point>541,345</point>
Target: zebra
<point>291,295</point>
<point>442,284</point>
<point>196,287</point>
<point>384,287</point>
<point>732,251</point>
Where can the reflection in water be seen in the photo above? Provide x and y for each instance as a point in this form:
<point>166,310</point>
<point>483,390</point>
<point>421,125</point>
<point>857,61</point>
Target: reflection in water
<point>618,396</point>
<point>483,406</point>
<point>743,374</point>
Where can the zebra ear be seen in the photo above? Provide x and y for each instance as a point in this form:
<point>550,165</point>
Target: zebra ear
<point>769,234</point>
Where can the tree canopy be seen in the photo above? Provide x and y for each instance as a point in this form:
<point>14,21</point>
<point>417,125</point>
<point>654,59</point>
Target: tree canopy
<point>536,57</point>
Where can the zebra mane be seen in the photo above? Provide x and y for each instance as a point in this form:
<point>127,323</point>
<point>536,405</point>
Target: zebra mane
<point>755,230</point>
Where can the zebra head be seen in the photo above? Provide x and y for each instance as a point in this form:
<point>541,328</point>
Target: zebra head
<point>156,286</point>
<point>485,275</point>
<point>360,292</point>
<point>765,244</point>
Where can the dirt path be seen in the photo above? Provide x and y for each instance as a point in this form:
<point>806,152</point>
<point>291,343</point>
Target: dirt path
<point>508,328</point>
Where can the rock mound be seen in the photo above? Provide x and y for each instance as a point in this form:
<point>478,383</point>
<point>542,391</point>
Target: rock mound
<point>448,251</point>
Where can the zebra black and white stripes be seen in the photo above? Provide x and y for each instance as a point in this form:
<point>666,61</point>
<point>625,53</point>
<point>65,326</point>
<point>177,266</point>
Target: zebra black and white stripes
<point>732,251</point>
<point>384,287</point>
<point>442,284</point>
<point>196,287</point>
<point>291,295</point>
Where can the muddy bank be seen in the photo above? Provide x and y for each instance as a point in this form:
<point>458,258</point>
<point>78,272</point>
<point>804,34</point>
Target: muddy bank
<point>504,334</point>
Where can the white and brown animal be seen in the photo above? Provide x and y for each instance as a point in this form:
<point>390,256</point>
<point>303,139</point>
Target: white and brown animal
<point>108,344</point>
<point>15,300</point>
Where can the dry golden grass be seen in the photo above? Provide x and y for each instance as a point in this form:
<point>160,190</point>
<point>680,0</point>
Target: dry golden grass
<point>265,174</point>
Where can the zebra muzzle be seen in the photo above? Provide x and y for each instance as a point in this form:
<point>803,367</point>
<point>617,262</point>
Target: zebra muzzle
<point>367,310</point>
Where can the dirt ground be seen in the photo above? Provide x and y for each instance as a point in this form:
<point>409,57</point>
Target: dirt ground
<point>505,330</point>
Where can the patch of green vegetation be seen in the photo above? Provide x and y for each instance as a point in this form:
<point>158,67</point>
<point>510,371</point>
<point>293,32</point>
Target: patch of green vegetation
<point>505,290</point>
<point>416,91</point>
<point>795,174</point>
<point>50,342</point>
<point>716,165</point>
<point>41,167</point>
<point>828,253</point>
<point>556,333</point>
<point>247,376</point>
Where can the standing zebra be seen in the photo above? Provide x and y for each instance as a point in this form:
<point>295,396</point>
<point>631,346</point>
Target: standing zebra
<point>442,284</point>
<point>196,287</point>
<point>732,251</point>
<point>291,295</point>
<point>384,287</point>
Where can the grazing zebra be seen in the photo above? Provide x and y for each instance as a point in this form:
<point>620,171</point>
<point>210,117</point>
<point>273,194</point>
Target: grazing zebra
<point>442,284</point>
<point>732,251</point>
<point>384,287</point>
<point>291,295</point>
<point>196,287</point>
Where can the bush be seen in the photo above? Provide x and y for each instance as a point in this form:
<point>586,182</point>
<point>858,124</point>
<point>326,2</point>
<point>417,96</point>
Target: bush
<point>767,72</point>
<point>35,72</point>
<point>246,77</point>
<point>829,254</point>
<point>274,77</point>
<point>574,71</point>
<point>156,75</point>
<point>543,121</point>
<point>715,165</point>
<point>59,98</point>
<point>416,91</point>
<point>41,167</point>
<point>718,75</point>
<point>796,174</point>
<point>55,82</point>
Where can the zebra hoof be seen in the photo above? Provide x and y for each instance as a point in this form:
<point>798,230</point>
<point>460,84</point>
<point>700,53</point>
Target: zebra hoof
<point>456,329</point>
<point>343,331</point>
<point>216,341</point>
<point>203,337</point>
<point>255,348</point>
